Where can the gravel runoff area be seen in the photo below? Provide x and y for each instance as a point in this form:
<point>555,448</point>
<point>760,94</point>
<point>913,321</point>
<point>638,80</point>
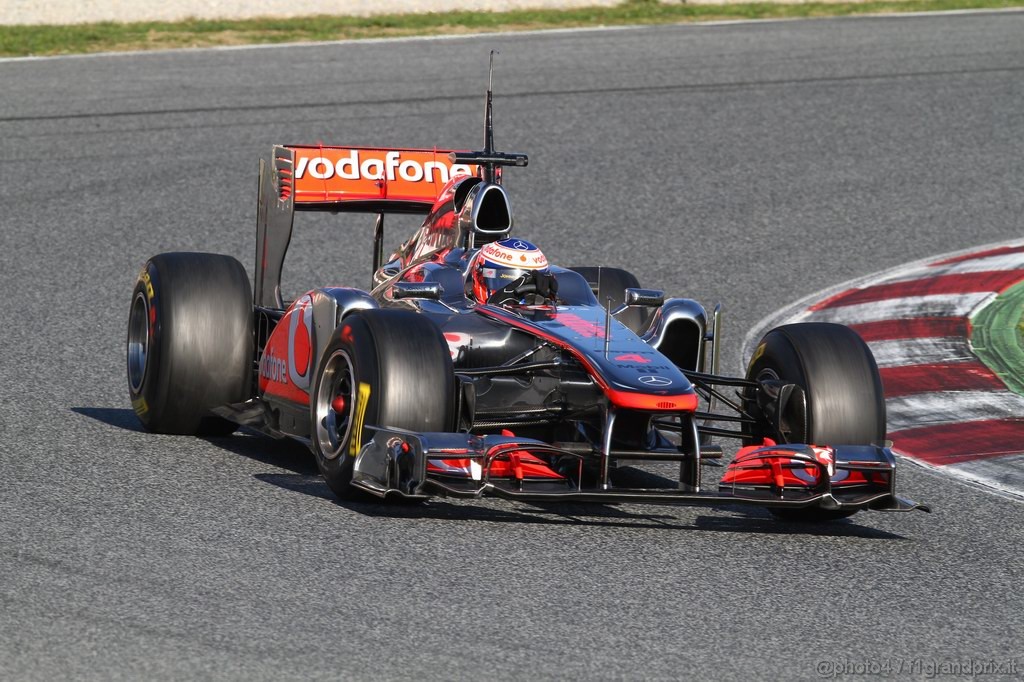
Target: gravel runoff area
<point>88,11</point>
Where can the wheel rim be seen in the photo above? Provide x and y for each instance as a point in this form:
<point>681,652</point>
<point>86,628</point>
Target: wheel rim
<point>769,374</point>
<point>334,417</point>
<point>138,342</point>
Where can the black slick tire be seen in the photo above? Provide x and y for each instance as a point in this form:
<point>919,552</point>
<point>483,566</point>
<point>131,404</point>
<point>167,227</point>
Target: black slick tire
<point>845,404</point>
<point>381,368</point>
<point>190,342</point>
<point>839,376</point>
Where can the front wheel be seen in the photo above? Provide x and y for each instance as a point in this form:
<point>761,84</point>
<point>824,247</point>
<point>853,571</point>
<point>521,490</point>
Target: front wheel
<point>843,402</point>
<point>839,378</point>
<point>388,368</point>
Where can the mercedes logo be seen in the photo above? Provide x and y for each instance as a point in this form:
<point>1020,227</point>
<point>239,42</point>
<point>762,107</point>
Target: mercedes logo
<point>520,246</point>
<point>652,380</point>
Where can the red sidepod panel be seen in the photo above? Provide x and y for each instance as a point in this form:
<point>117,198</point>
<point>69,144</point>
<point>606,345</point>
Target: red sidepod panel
<point>287,365</point>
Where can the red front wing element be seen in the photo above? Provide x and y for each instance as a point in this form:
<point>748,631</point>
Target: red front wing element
<point>517,464</point>
<point>508,462</point>
<point>802,467</point>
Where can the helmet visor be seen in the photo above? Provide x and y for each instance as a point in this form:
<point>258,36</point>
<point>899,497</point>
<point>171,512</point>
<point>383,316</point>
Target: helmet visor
<point>496,279</point>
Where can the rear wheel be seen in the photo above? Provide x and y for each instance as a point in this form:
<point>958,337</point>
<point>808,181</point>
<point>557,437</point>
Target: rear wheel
<point>844,403</point>
<point>190,342</point>
<point>613,282</point>
<point>381,368</point>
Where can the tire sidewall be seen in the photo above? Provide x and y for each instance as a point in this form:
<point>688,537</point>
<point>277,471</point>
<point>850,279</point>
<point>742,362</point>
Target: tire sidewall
<point>775,357</point>
<point>152,393</point>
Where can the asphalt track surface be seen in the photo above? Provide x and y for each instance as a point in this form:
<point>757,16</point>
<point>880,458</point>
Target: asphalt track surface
<point>749,164</point>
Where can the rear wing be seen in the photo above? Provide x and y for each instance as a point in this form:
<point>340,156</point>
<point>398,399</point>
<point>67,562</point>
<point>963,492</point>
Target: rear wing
<point>339,179</point>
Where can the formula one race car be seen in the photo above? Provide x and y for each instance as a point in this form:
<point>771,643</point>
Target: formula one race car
<point>473,367</point>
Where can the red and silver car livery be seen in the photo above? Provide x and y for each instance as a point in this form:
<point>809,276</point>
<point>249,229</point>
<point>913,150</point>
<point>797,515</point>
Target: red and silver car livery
<point>427,383</point>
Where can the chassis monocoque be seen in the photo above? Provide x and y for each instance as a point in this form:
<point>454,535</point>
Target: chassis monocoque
<point>412,389</point>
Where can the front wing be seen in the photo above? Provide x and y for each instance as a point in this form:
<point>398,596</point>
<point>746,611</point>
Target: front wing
<point>395,463</point>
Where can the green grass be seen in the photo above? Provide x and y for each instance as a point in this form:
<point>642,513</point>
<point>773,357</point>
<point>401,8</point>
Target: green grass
<point>18,41</point>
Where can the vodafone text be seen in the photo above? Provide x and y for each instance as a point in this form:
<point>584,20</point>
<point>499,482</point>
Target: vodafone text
<point>273,368</point>
<point>352,167</point>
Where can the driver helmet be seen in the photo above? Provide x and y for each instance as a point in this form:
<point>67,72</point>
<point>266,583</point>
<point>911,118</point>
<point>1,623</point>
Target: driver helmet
<point>509,261</point>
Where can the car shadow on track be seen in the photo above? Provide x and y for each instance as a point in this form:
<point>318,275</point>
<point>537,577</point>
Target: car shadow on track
<point>745,521</point>
<point>300,475</point>
<point>284,454</point>
<point>740,519</point>
<point>114,416</point>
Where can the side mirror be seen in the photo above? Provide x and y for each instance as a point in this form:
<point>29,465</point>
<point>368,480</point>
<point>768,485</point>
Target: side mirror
<point>430,291</point>
<point>648,298</point>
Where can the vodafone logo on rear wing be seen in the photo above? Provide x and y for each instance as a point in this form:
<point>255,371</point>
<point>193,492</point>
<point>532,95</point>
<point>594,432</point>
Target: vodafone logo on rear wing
<point>355,165</point>
<point>328,174</point>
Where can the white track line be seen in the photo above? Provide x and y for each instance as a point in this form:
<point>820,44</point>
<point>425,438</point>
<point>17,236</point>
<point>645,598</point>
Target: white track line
<point>1011,261</point>
<point>951,407</point>
<point>937,305</point>
<point>1009,486</point>
<point>927,351</point>
<point>1005,473</point>
<point>1006,261</point>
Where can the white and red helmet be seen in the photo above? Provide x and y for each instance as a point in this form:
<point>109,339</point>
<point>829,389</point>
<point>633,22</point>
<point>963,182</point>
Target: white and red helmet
<point>504,262</point>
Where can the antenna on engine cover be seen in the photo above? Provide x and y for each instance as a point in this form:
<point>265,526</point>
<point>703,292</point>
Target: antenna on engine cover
<point>490,159</point>
<point>489,121</point>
